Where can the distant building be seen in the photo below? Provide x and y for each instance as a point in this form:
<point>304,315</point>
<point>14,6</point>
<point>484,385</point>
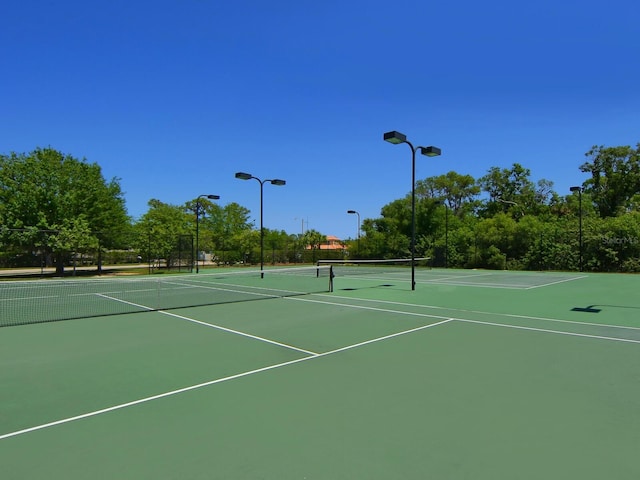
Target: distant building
<point>332,243</point>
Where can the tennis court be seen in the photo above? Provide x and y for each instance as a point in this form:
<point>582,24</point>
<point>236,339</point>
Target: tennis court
<point>474,375</point>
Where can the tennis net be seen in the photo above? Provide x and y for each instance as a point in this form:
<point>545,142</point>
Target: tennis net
<point>26,302</point>
<point>373,267</point>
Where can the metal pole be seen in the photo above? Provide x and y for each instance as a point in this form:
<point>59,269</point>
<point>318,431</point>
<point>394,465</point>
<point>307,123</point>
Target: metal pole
<point>580,228</point>
<point>413,217</point>
<point>358,233</point>
<point>261,229</point>
<point>197,235</point>
<point>446,236</point>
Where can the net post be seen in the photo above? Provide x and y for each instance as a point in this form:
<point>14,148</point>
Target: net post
<point>330,278</point>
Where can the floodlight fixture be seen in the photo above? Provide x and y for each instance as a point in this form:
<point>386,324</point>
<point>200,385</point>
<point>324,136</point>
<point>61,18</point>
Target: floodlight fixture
<point>395,137</point>
<point>430,151</point>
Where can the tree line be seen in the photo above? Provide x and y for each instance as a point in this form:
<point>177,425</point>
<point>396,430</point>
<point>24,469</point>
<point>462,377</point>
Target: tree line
<point>58,210</point>
<point>505,220</point>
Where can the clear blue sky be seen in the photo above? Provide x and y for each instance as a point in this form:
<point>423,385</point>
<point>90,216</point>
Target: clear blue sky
<point>175,96</point>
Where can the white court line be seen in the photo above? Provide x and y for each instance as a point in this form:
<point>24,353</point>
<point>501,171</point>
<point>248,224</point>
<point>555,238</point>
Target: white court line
<point>213,382</point>
<point>216,288</point>
<point>363,307</point>
<point>144,307</point>
<point>544,330</point>
<point>242,334</point>
<point>455,277</point>
<point>520,327</point>
<point>209,286</point>
<point>481,285</point>
<point>453,281</point>
<point>559,281</point>
<point>41,297</point>
<point>420,281</point>
<point>210,325</point>
<point>480,312</point>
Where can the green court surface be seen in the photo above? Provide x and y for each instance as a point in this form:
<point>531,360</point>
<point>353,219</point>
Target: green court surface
<point>474,375</point>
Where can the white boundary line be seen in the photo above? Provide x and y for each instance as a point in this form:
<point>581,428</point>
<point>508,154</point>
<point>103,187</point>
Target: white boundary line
<point>506,325</point>
<point>420,281</point>
<point>544,330</point>
<point>210,325</point>
<point>555,283</point>
<point>480,312</point>
<point>213,382</point>
<point>453,280</point>
<point>242,334</point>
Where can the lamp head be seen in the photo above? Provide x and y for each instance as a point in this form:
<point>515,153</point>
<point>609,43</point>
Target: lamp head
<point>351,211</point>
<point>394,137</point>
<point>575,189</point>
<point>243,176</point>
<point>213,197</point>
<point>277,181</point>
<point>430,151</point>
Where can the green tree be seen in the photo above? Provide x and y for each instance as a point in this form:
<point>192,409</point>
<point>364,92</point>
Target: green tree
<point>615,178</point>
<point>511,191</point>
<point>453,188</point>
<point>48,190</point>
<point>74,237</point>
<point>160,229</point>
<point>276,245</point>
<point>206,215</point>
<point>383,238</point>
<point>228,226</point>
<point>313,239</point>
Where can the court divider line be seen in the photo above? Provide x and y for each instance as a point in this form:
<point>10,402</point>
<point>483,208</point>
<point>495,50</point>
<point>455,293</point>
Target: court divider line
<point>544,330</point>
<point>237,332</point>
<point>436,282</point>
<point>210,325</point>
<point>556,282</point>
<point>453,281</point>
<point>558,332</point>
<point>216,381</point>
<point>481,312</point>
<point>455,277</point>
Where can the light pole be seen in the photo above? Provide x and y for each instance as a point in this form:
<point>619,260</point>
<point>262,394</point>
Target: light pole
<point>198,207</point>
<point>275,181</point>
<point>352,212</point>
<point>396,138</point>
<point>579,190</point>
<point>446,232</point>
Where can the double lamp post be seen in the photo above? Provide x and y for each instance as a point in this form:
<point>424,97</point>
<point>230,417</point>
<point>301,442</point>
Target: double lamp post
<point>275,181</point>
<point>397,138</point>
<point>579,190</point>
<point>198,210</point>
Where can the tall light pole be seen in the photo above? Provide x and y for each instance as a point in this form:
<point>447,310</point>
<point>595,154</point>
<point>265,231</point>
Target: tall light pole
<point>198,207</point>
<point>352,212</point>
<point>396,138</point>
<point>579,190</point>
<point>275,181</point>
<point>446,232</point>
